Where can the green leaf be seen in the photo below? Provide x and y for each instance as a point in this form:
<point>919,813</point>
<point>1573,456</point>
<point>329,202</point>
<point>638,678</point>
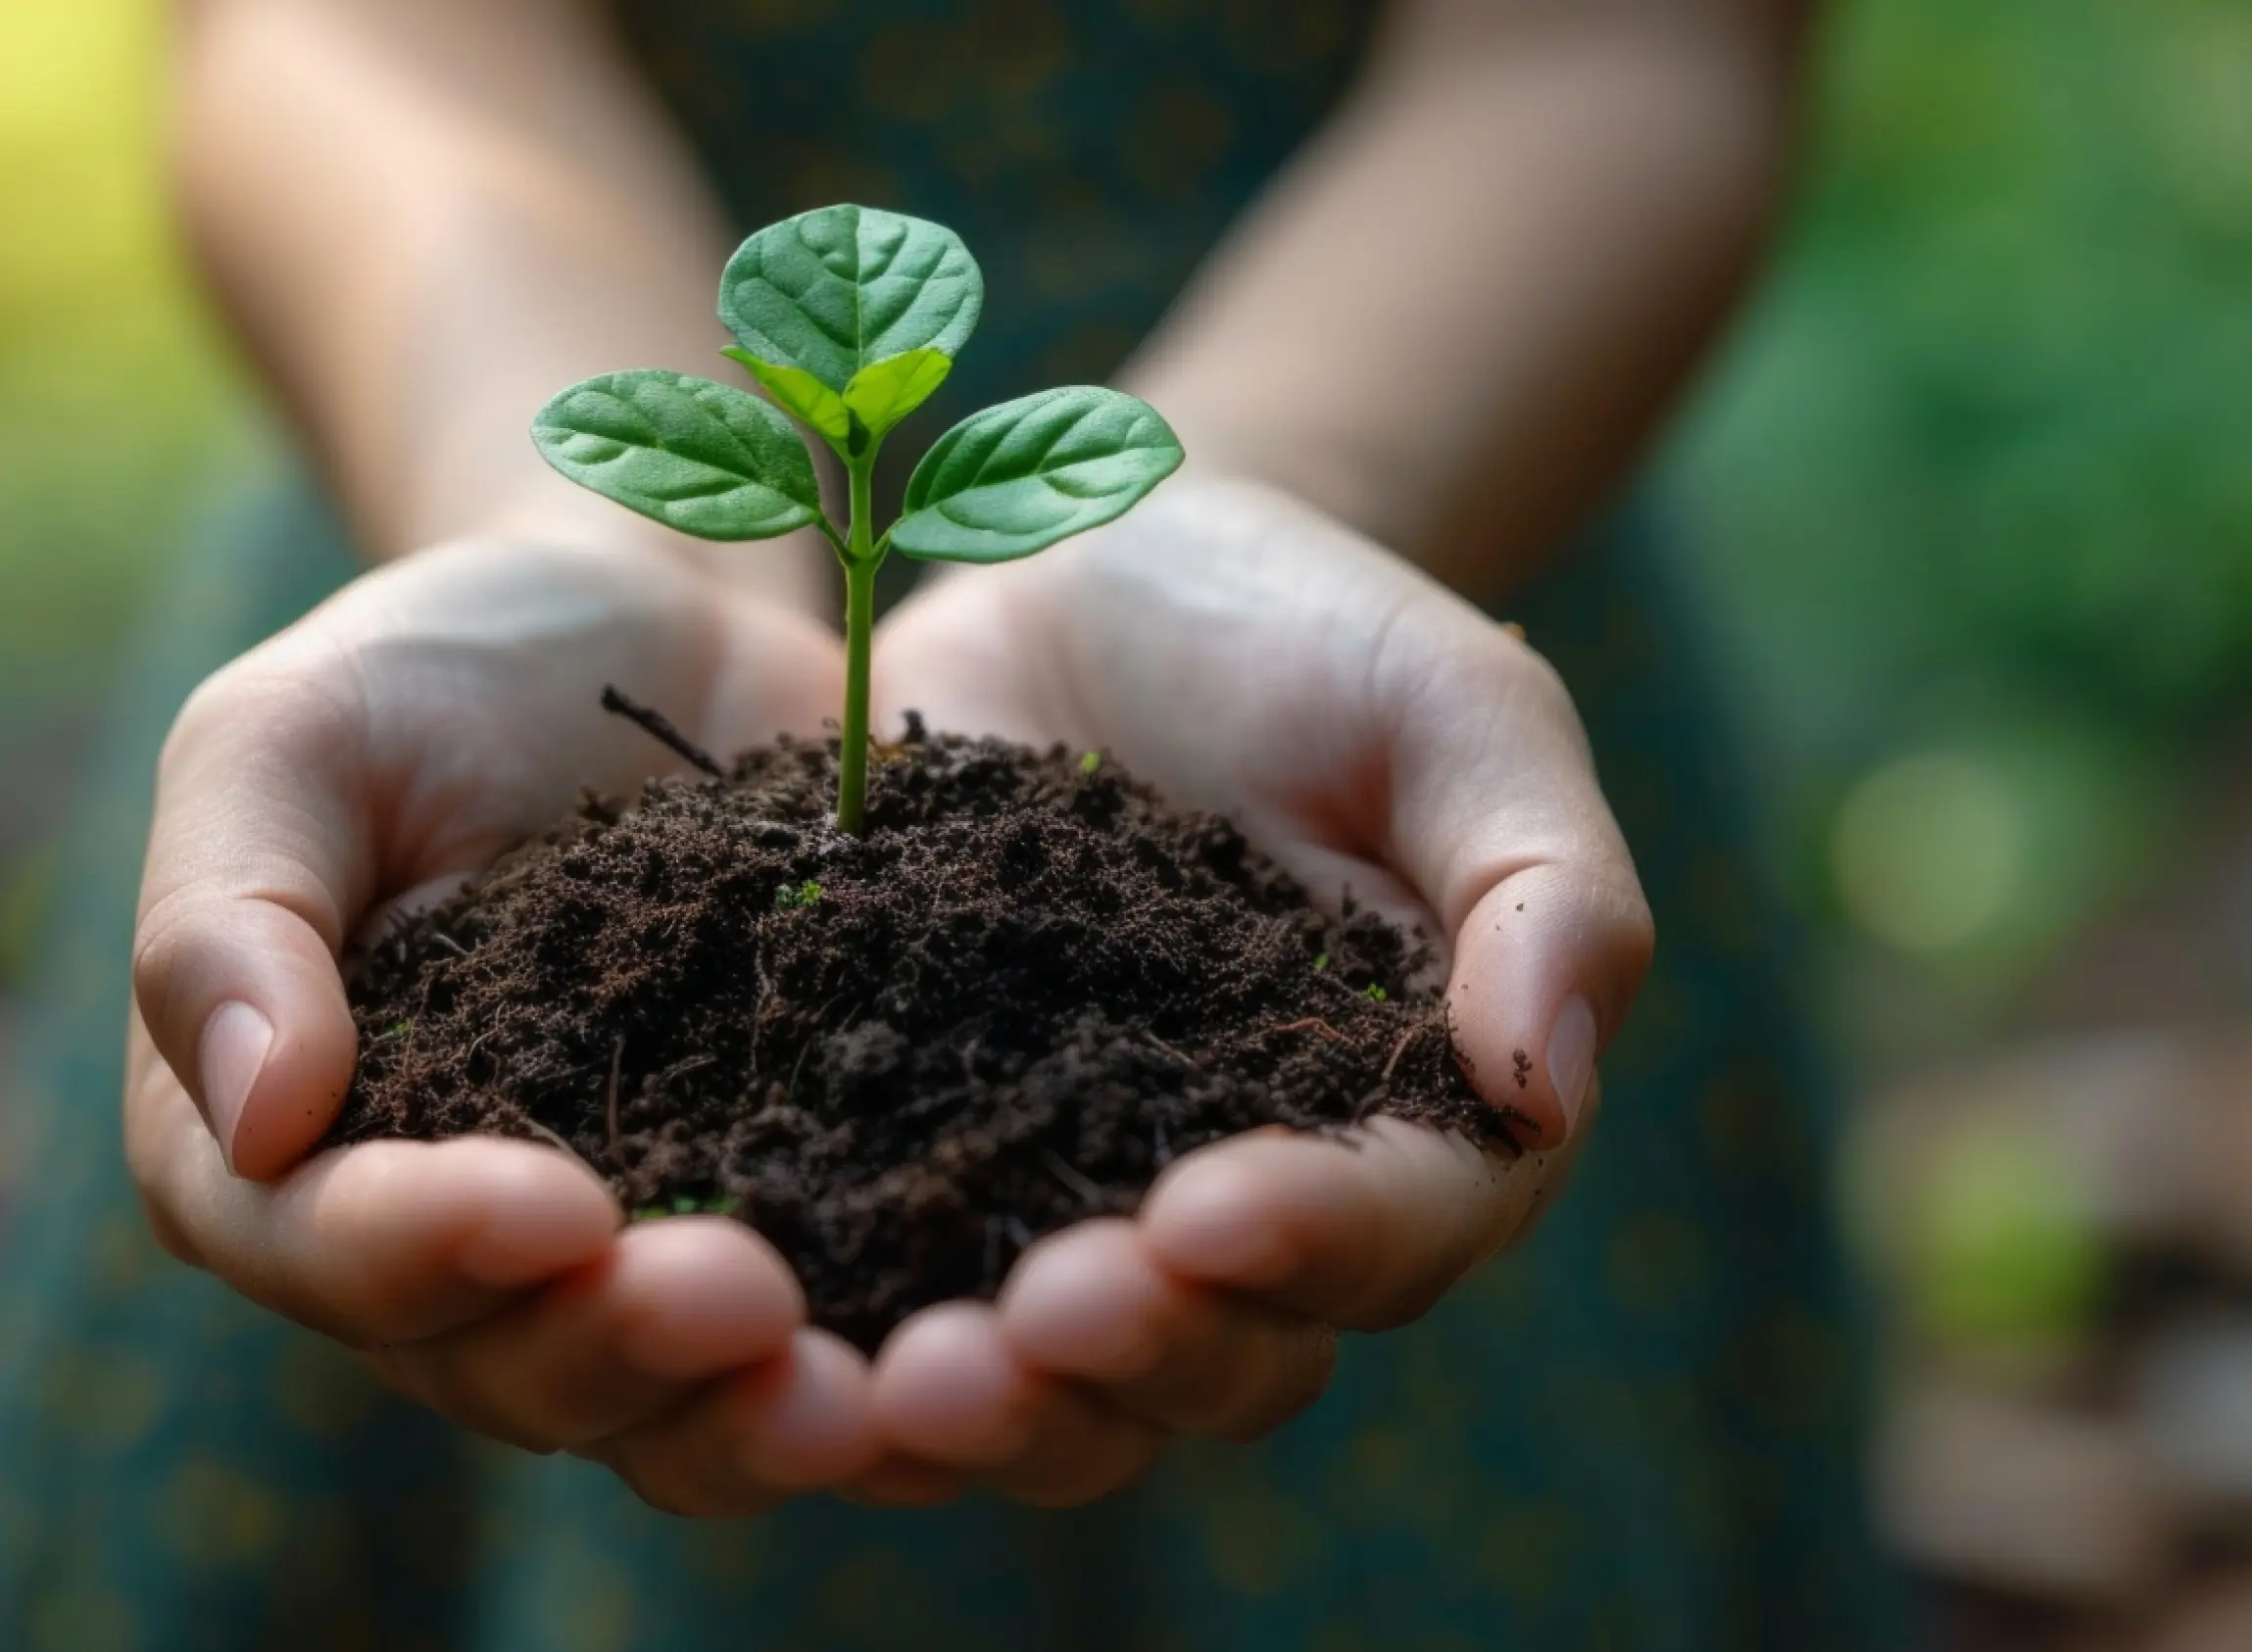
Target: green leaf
<point>795,391</point>
<point>702,457</point>
<point>834,291</point>
<point>885,392</point>
<point>1014,479</point>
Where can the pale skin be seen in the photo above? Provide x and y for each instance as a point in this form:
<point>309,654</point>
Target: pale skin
<point>1258,637</point>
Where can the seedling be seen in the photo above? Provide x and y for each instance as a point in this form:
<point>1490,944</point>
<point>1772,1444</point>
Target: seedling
<point>807,894</point>
<point>716,1204</point>
<point>850,317</point>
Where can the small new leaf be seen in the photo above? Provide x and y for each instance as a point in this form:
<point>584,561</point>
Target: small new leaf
<point>885,392</point>
<point>711,461</point>
<point>797,392</point>
<point>683,1204</point>
<point>1014,479</point>
<point>836,290</point>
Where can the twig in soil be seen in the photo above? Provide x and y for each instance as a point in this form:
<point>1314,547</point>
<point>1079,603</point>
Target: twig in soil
<point>449,943</point>
<point>1174,1050</point>
<point>1019,1235</point>
<point>694,1064</point>
<point>790,1090</point>
<point>1397,1050</point>
<point>1329,977</point>
<point>1313,1024</point>
<point>659,728</point>
<point>1089,1193</point>
<point>820,1018</point>
<point>476,1043</point>
<point>1161,1149</point>
<point>610,1093</point>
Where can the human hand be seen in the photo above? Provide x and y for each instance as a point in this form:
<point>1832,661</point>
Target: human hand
<point>1373,733</point>
<point>429,717</point>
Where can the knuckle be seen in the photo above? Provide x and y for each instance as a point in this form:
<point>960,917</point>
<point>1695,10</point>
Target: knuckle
<point>474,1407</point>
<point>163,945</point>
<point>1537,676</point>
<point>211,705</point>
<point>171,1238</point>
<point>1640,936</point>
<point>1402,1307</point>
<point>691,1497</point>
<point>1300,1375</point>
<point>666,1498</point>
<point>298,695</point>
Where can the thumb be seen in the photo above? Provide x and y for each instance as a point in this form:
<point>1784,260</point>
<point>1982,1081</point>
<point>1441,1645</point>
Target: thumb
<point>1497,819</point>
<point>1545,965</point>
<point>257,850</point>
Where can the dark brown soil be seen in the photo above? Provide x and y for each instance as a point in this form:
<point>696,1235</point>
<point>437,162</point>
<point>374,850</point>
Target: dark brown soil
<point>1026,987</point>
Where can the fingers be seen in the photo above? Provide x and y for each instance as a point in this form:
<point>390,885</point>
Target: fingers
<point>1068,1388</point>
<point>670,1305</point>
<point>1496,818</point>
<point>1364,1234</point>
<point>258,852</point>
<point>385,1242</point>
<point>949,1393</point>
<point>798,1422</point>
<point>1093,1304</point>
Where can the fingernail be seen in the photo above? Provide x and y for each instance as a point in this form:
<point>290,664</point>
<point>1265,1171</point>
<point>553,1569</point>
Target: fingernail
<point>1572,1060</point>
<point>235,1041</point>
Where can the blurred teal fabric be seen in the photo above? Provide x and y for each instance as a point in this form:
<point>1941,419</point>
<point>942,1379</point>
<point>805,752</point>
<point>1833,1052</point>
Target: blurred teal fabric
<point>1639,1431</point>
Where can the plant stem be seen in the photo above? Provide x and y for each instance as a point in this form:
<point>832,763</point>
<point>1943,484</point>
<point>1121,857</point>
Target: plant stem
<point>860,562</point>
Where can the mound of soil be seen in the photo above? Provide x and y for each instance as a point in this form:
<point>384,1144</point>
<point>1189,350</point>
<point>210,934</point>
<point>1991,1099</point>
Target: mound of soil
<point>901,1056</point>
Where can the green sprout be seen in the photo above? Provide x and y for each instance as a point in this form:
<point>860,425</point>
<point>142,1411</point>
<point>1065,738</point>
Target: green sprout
<point>1089,761</point>
<point>850,317</point>
<point>807,894</point>
<point>1321,962</point>
<point>1373,993</point>
<point>717,1204</point>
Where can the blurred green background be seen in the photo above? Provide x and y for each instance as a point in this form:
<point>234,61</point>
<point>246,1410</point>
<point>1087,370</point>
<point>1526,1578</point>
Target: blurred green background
<point>1972,491</point>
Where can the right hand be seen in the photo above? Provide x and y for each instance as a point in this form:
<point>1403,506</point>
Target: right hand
<point>398,739</point>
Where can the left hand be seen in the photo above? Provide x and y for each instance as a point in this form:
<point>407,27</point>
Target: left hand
<point>1372,732</point>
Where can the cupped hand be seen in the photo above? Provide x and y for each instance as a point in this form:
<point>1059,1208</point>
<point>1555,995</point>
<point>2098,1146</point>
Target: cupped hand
<point>429,717</point>
<point>1377,735</point>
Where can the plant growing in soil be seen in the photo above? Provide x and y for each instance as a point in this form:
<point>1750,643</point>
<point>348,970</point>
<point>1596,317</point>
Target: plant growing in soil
<point>850,317</point>
<point>1013,988</point>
